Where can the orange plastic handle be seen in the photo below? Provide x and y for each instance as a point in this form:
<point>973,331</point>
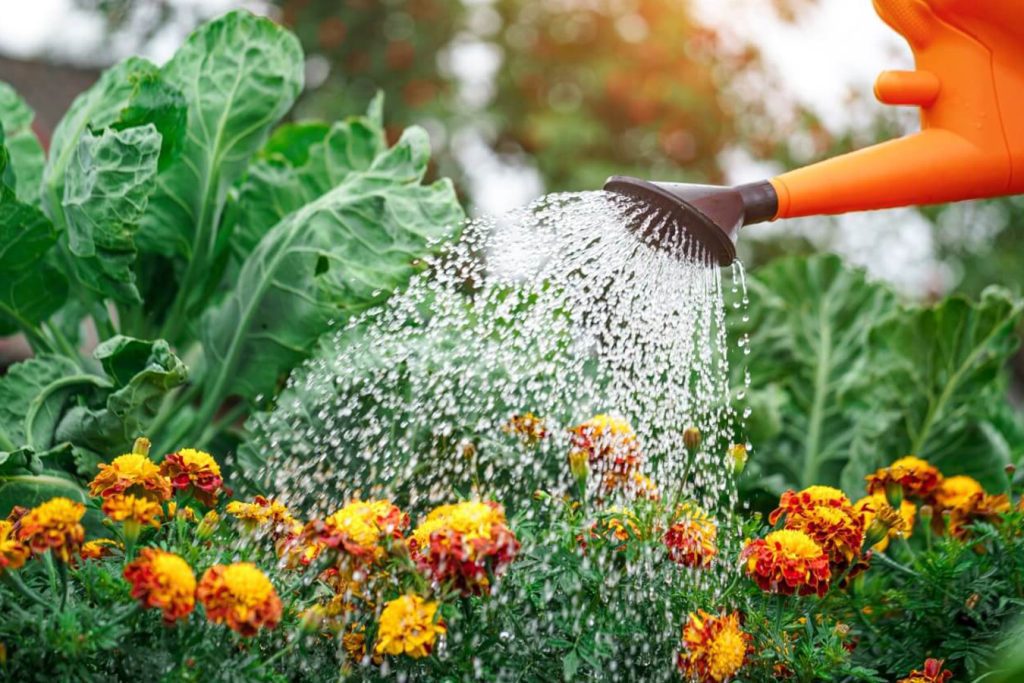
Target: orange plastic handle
<point>969,84</point>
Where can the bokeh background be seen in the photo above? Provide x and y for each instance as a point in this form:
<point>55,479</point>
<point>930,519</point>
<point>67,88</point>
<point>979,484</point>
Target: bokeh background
<point>522,97</point>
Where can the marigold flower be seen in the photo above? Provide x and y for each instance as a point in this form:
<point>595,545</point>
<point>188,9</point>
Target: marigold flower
<point>618,523</point>
<point>465,543</point>
<point>55,525</point>
<point>13,552</point>
<point>691,538</point>
<point>360,527</point>
<point>163,581</point>
<point>208,525</point>
<point>826,515</point>
<point>528,427</point>
<point>241,596</point>
<point>132,510</point>
<point>932,673</point>
<point>955,492</point>
<point>132,473</point>
<point>738,456</point>
<point>261,511</point>
<point>714,647</point>
<point>642,488</point>
<point>407,626</point>
<point>98,548</point>
<point>875,508</point>
<point>189,469</point>
<point>913,475</point>
<point>981,507</point>
<point>299,549</point>
<point>788,562</point>
<point>800,502</point>
<point>610,446</point>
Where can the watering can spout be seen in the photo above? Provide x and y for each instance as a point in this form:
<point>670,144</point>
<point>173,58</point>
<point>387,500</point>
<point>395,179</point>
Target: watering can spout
<point>969,87</point>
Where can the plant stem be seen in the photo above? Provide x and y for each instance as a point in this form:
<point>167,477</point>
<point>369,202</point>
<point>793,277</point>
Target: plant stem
<point>101,318</point>
<point>62,569</point>
<point>62,342</point>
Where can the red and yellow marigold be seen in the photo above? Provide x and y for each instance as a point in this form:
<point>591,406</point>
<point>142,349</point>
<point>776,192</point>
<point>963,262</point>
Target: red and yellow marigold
<point>916,477</point>
<point>788,562</point>
<point>241,596</point>
<point>164,581</point>
<point>131,473</point>
<point>714,647</point>
<point>262,512</point>
<point>132,510</point>
<point>826,515</point>
<point>610,447</point>
<point>899,525</point>
<point>691,540</point>
<point>408,626</point>
<point>360,528</point>
<point>13,552</point>
<point>931,673</point>
<point>194,471</point>
<point>796,503</point>
<point>465,543</point>
<point>55,525</point>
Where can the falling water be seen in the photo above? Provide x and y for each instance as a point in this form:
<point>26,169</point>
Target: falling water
<point>556,310</point>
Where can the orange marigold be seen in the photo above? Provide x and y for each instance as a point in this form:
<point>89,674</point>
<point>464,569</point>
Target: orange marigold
<point>241,596</point>
<point>932,673</point>
<point>691,538</point>
<point>955,492</point>
<point>196,471</point>
<point>131,473</point>
<point>164,581</point>
<point>55,525</point>
<point>13,552</point>
<point>788,562</point>
<point>131,510</point>
<point>915,476</point>
<point>714,647</point>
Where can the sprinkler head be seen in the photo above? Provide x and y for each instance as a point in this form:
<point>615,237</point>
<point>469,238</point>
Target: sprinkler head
<point>709,215</point>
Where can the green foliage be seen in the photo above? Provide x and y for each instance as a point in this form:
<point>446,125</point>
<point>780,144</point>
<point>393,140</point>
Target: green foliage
<point>847,379</point>
<point>173,217</point>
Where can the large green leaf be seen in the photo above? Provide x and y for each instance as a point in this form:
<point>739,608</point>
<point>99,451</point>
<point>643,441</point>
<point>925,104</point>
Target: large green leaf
<point>29,490</point>
<point>143,373</point>
<point>240,74</point>
<point>30,288</point>
<point>810,324</point>
<point>299,163</point>
<point>26,153</point>
<point>336,256</point>
<point>107,188</point>
<point>937,374</point>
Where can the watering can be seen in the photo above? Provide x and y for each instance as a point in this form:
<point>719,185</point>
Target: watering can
<point>969,86</point>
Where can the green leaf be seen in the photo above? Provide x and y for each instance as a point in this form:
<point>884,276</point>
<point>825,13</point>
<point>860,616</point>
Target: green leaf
<point>337,256</point>
<point>34,395</point>
<point>239,74</point>
<point>810,321</point>
<point>107,188</point>
<point>941,370</point>
<point>143,373</point>
<point>29,490</point>
<point>27,157</point>
<point>154,102</point>
<point>30,288</point>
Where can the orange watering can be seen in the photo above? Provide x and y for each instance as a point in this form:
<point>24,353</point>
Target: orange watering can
<point>969,85</point>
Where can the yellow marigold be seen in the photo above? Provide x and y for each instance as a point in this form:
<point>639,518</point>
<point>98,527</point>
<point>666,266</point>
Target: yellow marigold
<point>55,525</point>
<point>98,548</point>
<point>241,596</point>
<point>472,519</point>
<point>261,511</point>
<point>691,540</point>
<point>163,581</point>
<point>131,473</point>
<point>956,492</point>
<point>870,506</point>
<point>714,647</point>
<point>195,471</point>
<point>915,476</point>
<point>528,427</point>
<point>13,552</point>
<point>407,626</point>
<point>788,562</point>
<point>132,510</point>
<point>360,527</point>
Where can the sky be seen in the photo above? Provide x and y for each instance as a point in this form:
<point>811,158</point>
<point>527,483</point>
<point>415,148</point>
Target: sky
<point>837,46</point>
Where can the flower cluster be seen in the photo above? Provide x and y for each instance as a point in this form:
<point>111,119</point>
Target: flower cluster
<point>691,539</point>
<point>825,515</point>
<point>714,647</point>
<point>465,543</point>
<point>788,562</point>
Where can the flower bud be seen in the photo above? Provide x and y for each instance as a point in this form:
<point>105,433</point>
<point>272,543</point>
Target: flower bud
<point>141,446</point>
<point>691,438</point>
<point>894,494</point>
<point>738,455</point>
<point>207,527</point>
<point>579,465</point>
<point>885,520</point>
<point>1010,469</point>
<point>926,513</point>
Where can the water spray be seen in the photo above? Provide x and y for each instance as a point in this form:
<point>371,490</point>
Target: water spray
<point>969,86</point>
